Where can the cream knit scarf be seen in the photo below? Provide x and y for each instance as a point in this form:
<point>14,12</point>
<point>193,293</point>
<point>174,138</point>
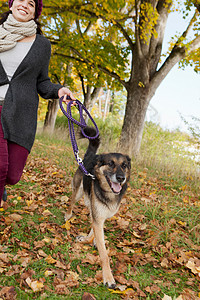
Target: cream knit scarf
<point>12,31</point>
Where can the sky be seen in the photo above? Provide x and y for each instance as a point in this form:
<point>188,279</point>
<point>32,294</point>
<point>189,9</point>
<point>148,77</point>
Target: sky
<point>179,93</point>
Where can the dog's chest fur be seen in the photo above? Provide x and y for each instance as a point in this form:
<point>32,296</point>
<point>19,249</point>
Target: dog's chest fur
<point>101,203</point>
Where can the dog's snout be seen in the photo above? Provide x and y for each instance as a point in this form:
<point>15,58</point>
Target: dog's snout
<point>120,177</point>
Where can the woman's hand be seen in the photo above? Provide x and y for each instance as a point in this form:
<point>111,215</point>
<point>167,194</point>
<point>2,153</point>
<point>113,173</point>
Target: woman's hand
<point>66,92</point>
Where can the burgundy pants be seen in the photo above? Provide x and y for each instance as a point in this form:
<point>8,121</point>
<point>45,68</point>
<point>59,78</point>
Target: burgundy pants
<point>12,161</point>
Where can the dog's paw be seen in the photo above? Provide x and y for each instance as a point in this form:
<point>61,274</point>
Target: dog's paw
<point>109,281</point>
<point>81,238</point>
<point>110,285</point>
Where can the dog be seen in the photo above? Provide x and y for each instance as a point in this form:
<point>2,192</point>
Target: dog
<point>102,194</point>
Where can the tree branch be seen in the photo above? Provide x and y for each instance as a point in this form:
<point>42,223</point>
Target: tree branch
<point>82,83</point>
<point>196,4</point>
<point>155,47</point>
<point>88,27</point>
<point>104,69</point>
<point>88,62</point>
<point>177,53</point>
<point>137,31</point>
<point>125,34</point>
<point>185,33</point>
<point>79,28</point>
<point>175,56</point>
<point>70,57</point>
<point>194,45</point>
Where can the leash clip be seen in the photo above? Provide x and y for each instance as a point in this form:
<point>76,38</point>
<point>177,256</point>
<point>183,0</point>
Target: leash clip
<point>80,163</point>
<point>92,176</point>
<point>79,159</point>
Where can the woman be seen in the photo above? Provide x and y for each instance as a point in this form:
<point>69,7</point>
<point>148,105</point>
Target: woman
<point>24,62</point>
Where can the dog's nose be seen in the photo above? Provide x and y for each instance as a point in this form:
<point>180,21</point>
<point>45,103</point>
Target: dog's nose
<point>120,177</point>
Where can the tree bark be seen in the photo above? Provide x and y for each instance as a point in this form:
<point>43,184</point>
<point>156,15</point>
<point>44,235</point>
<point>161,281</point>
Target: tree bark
<point>132,130</point>
<point>107,102</point>
<point>50,118</point>
<point>90,97</point>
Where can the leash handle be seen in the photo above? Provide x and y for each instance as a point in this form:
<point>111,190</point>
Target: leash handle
<point>82,122</point>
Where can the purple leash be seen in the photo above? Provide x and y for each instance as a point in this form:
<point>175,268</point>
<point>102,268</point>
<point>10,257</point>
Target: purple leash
<point>82,124</point>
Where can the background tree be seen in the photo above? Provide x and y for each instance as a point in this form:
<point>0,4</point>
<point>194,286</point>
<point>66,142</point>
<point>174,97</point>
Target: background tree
<point>60,73</point>
<point>138,28</point>
<point>66,33</point>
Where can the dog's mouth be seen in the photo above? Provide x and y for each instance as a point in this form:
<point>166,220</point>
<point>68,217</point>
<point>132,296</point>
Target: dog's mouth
<point>115,186</point>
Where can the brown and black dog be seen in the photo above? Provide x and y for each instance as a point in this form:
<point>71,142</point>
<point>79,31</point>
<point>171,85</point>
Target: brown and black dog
<point>102,195</point>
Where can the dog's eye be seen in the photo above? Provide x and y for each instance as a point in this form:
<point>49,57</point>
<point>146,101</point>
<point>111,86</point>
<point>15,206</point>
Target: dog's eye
<point>124,165</point>
<point>111,164</point>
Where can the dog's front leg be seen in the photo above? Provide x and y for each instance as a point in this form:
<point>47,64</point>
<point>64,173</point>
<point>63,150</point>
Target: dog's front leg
<point>108,278</point>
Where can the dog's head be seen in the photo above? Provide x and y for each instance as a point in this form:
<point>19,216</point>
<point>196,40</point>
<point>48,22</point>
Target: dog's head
<point>113,171</point>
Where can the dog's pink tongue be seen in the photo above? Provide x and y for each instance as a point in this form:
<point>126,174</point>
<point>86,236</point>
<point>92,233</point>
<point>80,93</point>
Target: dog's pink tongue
<point>116,187</point>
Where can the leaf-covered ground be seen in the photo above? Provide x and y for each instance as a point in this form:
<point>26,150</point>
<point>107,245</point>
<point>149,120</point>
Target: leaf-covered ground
<point>153,241</point>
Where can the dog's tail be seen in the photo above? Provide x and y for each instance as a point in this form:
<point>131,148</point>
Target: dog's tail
<point>93,143</point>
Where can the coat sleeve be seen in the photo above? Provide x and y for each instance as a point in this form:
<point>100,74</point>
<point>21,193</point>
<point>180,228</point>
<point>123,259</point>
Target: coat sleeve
<point>45,88</point>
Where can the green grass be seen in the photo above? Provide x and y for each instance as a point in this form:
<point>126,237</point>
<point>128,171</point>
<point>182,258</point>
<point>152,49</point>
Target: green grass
<point>151,239</point>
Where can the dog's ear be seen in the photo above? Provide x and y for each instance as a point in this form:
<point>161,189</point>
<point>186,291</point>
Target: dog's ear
<point>100,160</point>
<point>129,161</point>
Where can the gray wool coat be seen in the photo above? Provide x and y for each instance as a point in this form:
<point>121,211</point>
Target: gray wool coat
<point>19,112</point>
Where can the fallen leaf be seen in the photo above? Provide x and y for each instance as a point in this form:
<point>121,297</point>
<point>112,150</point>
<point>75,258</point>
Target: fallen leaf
<point>15,217</point>
<point>123,223</point>
<point>25,261</point>
<point>36,286</point>
<point>136,235</point>
<point>42,253</point>
<point>98,277</point>
<point>61,289</point>
<point>29,202</point>
<point>164,263</point>
<point>48,273</point>
<point>46,213</point>
<point>143,227</point>
<point>121,292</point>
<point>60,265</point>
<point>67,225</point>
<point>38,244</point>
<point>194,265</point>
<point>188,294</point>
<point>8,292</point>
<point>4,257</point>
<point>79,269</point>
<point>50,260</point>
<point>46,240</point>
<point>166,297</point>
<point>64,199</point>
<point>121,279</point>
<point>24,245</point>
<point>91,259</point>
<point>88,296</point>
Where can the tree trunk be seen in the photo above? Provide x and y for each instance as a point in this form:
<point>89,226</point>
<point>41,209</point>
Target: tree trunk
<point>136,107</point>
<point>90,98</point>
<point>50,118</point>
<point>111,106</point>
<point>107,102</point>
